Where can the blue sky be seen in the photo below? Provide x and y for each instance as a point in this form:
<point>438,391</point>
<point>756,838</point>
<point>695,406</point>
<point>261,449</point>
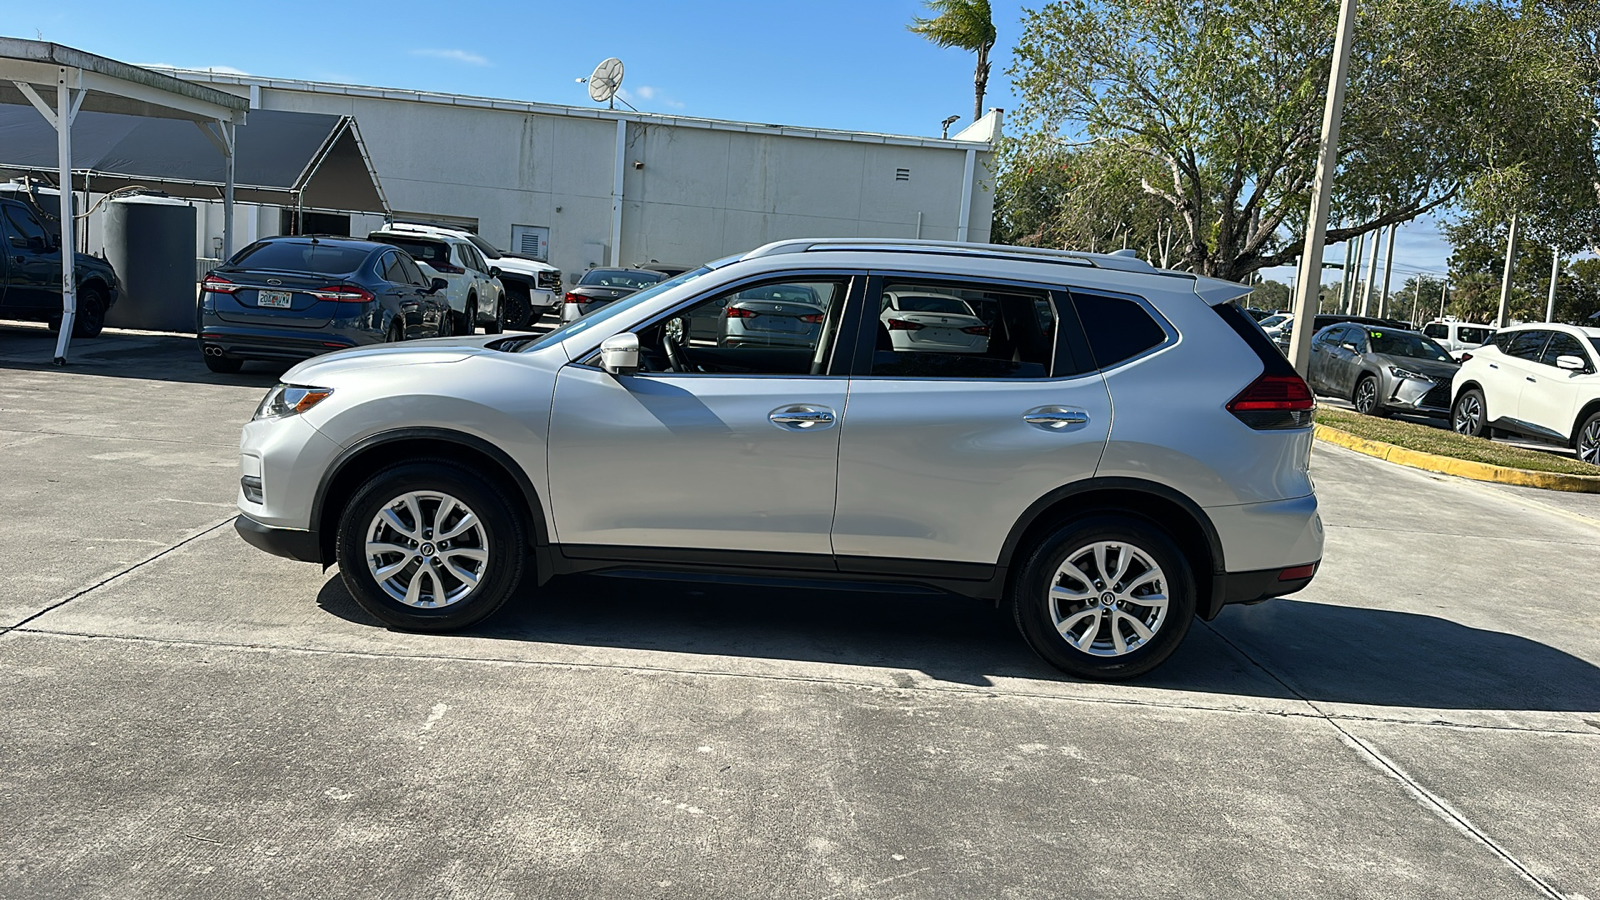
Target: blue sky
<point>822,63</point>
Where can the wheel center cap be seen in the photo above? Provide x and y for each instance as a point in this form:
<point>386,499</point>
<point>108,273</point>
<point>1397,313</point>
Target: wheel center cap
<point>1108,598</point>
<point>426,549</point>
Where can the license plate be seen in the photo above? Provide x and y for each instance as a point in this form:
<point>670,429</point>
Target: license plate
<point>278,299</point>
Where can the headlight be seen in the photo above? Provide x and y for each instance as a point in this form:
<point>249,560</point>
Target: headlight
<point>289,399</point>
<point>1398,372</point>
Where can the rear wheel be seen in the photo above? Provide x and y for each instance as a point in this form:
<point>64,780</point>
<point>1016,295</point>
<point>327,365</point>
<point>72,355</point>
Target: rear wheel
<point>447,323</point>
<point>1104,598</point>
<point>1469,415</point>
<point>499,323</point>
<point>1366,396</point>
<point>469,318</point>
<point>430,546</point>
<point>518,306</point>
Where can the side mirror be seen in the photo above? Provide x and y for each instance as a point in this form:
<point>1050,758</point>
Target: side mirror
<point>619,354</point>
<point>1349,346</point>
<point>19,241</point>
<point>1571,363</point>
<point>438,285</point>
<point>494,271</point>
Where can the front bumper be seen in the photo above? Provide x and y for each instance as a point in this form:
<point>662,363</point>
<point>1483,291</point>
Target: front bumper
<point>290,543</point>
<point>1409,394</point>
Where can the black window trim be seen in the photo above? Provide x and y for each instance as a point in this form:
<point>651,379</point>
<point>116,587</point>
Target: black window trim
<point>1172,336</point>
<point>1535,357</point>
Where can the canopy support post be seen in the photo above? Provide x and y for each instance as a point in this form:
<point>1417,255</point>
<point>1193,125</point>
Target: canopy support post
<point>67,103</point>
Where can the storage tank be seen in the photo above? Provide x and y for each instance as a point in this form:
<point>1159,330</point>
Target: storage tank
<point>150,242</point>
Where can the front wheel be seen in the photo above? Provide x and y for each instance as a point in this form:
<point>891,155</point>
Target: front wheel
<point>429,546</point>
<point>1589,440</point>
<point>1469,415</point>
<point>91,315</point>
<point>516,308</point>
<point>1366,397</point>
<point>1105,598</point>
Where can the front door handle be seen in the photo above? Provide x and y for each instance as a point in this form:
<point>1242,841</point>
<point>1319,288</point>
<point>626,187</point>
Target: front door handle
<point>801,417</point>
<point>1055,418</point>
<point>1531,378</point>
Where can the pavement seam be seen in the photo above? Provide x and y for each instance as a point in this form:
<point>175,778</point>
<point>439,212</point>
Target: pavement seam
<point>1316,714</point>
<point>1426,798</point>
<point>17,626</point>
<point>116,437</point>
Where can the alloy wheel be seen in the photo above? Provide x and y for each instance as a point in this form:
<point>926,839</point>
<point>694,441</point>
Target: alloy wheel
<point>1108,598</point>
<point>427,549</point>
<point>1589,442</point>
<point>1366,396</point>
<point>1469,415</point>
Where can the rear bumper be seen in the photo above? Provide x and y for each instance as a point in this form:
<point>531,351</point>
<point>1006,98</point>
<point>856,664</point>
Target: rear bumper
<point>279,343</point>
<point>1248,587</point>
<point>289,543</point>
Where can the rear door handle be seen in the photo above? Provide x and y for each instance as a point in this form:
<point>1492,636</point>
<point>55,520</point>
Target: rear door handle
<point>1056,418</point>
<point>802,417</point>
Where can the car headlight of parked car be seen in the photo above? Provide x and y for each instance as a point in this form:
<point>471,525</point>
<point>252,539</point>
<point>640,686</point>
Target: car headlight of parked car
<point>1398,372</point>
<point>290,399</point>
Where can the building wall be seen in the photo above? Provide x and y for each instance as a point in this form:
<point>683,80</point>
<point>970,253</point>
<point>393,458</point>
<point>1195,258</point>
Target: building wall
<point>690,193</point>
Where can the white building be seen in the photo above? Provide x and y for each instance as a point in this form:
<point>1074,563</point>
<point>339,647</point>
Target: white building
<point>585,186</point>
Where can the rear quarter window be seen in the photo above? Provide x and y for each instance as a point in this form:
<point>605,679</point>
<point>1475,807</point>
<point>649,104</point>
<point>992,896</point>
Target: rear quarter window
<point>1118,329</point>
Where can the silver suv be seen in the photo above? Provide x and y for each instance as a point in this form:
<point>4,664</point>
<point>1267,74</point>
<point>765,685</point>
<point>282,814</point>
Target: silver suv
<point>1121,451</point>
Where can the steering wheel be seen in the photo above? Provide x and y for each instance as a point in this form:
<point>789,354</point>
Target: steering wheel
<point>676,356</point>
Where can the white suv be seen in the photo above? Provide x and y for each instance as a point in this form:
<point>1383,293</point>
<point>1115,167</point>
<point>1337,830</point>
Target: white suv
<point>821,452</point>
<point>1458,337</point>
<point>532,286</point>
<point>474,295</point>
<point>1538,381</point>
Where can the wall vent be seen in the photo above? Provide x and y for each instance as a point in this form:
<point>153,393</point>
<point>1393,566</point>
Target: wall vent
<point>902,174</point>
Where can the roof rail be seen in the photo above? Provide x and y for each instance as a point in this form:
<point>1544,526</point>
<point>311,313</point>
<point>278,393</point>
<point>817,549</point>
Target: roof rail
<point>1119,261</point>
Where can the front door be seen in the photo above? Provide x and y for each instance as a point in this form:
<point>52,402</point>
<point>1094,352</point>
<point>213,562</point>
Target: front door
<point>943,450</point>
<point>724,446</point>
<point>33,266</point>
<point>1550,394</point>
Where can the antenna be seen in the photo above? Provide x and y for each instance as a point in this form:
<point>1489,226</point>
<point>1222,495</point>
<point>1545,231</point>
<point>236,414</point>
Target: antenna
<point>605,81</point>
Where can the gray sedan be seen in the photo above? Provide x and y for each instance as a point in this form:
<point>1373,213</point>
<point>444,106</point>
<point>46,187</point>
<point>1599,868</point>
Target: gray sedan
<point>1382,370</point>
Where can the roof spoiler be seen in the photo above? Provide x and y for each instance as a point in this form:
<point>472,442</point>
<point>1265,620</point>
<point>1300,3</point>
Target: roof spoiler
<point>1215,291</point>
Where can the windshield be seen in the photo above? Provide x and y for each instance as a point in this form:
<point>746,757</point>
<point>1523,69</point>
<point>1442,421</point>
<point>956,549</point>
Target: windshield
<point>1405,343</point>
<point>313,257</point>
<point>584,323</point>
<point>484,247</point>
<point>632,279</point>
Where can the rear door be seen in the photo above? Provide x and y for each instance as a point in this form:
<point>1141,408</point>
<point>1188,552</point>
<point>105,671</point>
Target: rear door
<point>942,452</point>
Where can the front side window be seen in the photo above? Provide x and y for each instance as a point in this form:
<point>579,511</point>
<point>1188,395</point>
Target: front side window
<point>1562,344</point>
<point>773,328</point>
<point>26,225</point>
<point>1527,344</point>
<point>1118,328</point>
<point>943,330</point>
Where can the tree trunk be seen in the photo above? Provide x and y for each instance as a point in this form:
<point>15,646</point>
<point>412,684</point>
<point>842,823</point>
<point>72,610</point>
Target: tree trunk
<point>980,83</point>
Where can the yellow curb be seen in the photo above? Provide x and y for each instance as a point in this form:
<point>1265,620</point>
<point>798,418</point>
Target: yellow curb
<point>1445,465</point>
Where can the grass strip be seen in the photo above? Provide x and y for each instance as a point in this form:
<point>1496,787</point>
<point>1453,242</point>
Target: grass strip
<point>1444,442</point>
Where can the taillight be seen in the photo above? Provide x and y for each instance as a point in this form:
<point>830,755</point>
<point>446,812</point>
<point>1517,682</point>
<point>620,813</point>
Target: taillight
<point>216,284</point>
<point>343,293</point>
<point>572,298</point>
<point>814,318</point>
<point>442,266</point>
<point>735,312</point>
<point>902,325</point>
<point>976,329</point>
<point>1273,402</point>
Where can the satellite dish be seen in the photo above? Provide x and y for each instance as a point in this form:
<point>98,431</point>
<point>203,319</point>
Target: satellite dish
<point>605,81</point>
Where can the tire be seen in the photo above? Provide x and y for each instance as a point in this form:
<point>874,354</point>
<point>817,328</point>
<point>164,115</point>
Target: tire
<point>1047,606</point>
<point>517,307</point>
<point>405,588</point>
<point>499,324</point>
<point>91,317</point>
<point>1588,442</point>
<point>223,365</point>
<point>447,323</point>
<point>1469,415</point>
<point>1365,396</point>
<point>468,324</point>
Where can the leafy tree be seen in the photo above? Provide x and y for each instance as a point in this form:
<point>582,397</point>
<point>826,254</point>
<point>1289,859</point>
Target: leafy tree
<point>964,24</point>
<point>1477,265</point>
<point>1270,295</point>
<point>1218,108</point>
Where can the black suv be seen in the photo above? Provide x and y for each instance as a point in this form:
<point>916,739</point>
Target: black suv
<point>30,274</point>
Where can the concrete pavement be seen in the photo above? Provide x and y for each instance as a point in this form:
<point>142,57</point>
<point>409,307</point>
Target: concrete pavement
<point>186,716</point>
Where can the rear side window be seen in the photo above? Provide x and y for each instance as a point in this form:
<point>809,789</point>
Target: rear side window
<point>1118,329</point>
<point>1473,336</point>
<point>1438,332</point>
<point>1528,344</point>
<point>302,256</point>
<point>966,330</point>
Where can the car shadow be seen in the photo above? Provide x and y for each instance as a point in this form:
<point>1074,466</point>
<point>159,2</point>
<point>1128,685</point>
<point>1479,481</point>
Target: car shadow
<point>125,354</point>
<point>1316,651</point>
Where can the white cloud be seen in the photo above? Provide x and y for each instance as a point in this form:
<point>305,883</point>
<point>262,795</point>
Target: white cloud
<point>460,56</point>
<point>646,92</point>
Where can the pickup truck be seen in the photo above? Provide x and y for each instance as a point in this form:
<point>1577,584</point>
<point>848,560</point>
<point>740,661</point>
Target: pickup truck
<point>30,274</point>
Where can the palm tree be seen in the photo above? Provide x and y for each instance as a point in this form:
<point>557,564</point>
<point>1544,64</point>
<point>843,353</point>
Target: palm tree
<point>966,24</point>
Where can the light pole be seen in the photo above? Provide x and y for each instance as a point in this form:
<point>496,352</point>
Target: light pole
<point>1321,191</point>
<point>944,127</point>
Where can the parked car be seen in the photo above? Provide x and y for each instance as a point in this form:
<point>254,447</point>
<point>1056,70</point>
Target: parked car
<point>532,286</point>
<point>30,274</point>
<point>1381,370</point>
<point>1537,381</point>
<point>999,475</point>
<point>472,293</point>
<point>1458,337</point>
<point>1274,323</point>
<point>1284,332</point>
<point>932,322</point>
<point>666,270</point>
<point>601,285</point>
<point>289,298</point>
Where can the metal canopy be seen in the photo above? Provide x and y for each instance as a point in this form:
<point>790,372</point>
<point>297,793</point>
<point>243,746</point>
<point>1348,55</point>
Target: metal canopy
<point>310,160</point>
<point>83,81</point>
